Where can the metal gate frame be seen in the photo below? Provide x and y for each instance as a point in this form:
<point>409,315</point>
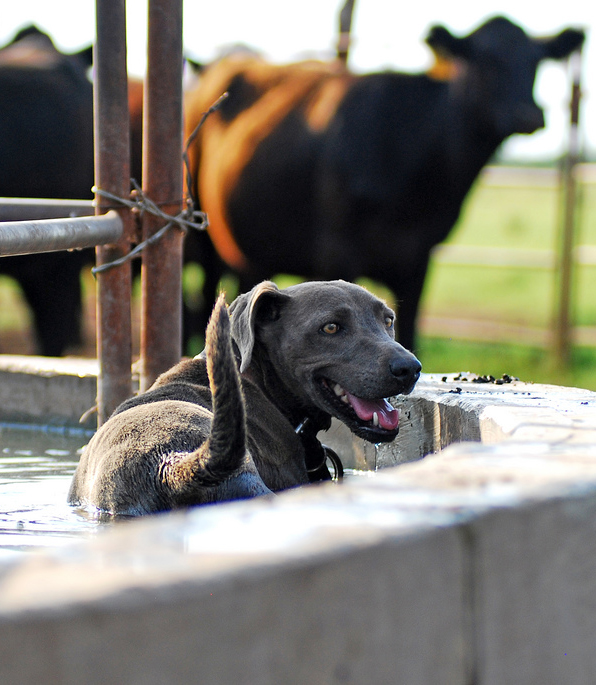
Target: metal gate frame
<point>112,230</point>
<point>161,274</point>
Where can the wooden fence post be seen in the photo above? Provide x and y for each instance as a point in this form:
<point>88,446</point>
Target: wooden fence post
<point>563,320</point>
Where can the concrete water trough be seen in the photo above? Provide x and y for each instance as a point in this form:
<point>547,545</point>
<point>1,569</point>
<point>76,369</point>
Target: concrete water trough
<point>474,565</point>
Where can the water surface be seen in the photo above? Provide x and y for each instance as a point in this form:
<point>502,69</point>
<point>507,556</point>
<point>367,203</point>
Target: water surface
<point>36,467</point>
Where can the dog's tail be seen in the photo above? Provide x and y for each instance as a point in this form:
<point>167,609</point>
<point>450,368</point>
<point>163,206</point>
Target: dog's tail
<point>226,446</point>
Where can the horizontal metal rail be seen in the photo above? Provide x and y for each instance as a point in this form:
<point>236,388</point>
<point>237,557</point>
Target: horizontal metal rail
<point>31,209</point>
<point>52,235</point>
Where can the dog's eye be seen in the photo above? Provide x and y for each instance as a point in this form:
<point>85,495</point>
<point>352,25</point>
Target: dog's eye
<point>389,321</point>
<point>330,328</point>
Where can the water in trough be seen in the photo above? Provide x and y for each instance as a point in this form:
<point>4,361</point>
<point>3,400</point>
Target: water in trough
<point>36,466</point>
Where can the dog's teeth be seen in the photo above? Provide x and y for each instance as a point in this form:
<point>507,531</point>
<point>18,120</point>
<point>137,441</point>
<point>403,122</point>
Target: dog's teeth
<point>338,390</point>
<point>340,393</point>
<point>375,419</point>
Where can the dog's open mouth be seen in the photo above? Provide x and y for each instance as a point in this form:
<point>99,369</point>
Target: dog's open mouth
<point>374,420</point>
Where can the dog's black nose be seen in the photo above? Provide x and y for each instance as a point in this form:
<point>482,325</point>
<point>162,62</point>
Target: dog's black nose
<point>407,371</point>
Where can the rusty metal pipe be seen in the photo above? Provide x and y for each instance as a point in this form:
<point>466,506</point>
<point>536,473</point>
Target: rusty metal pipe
<point>51,235</point>
<point>161,275</point>
<point>112,174</point>
<point>32,209</point>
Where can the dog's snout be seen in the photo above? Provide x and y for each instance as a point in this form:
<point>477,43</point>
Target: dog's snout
<point>406,370</point>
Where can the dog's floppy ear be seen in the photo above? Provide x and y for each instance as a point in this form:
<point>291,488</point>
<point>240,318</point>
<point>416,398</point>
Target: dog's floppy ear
<point>262,303</point>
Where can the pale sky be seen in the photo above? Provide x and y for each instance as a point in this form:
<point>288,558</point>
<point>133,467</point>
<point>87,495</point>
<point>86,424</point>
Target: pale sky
<point>386,34</point>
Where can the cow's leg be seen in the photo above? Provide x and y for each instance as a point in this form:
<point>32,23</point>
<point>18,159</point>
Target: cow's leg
<point>338,237</point>
<point>199,249</point>
<point>408,293</point>
<point>56,304</point>
<point>247,281</point>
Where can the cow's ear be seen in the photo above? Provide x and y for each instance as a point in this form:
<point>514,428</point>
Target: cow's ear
<point>445,44</point>
<point>256,308</point>
<point>85,55</point>
<point>563,44</point>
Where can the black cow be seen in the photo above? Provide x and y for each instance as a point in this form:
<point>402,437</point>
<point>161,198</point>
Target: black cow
<point>46,151</point>
<point>311,170</point>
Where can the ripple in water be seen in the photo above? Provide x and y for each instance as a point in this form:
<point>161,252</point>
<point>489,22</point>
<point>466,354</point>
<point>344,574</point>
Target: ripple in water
<point>36,468</point>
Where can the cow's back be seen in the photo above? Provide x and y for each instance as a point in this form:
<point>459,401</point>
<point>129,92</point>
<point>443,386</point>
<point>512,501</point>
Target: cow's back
<point>46,151</point>
<point>261,96</point>
<point>46,122</point>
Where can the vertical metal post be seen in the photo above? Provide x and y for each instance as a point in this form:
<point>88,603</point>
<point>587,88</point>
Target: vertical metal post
<point>563,329</point>
<point>161,304</point>
<point>112,151</point>
<point>345,27</point>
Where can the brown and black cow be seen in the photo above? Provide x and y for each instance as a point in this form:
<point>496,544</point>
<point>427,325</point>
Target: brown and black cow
<point>311,170</point>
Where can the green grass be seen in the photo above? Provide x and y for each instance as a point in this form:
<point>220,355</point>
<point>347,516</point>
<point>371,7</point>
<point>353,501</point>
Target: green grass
<point>513,295</point>
<point>522,218</point>
<point>499,217</point>
<point>529,364</point>
<point>13,312</point>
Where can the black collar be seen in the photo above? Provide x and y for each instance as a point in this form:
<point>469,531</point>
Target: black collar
<point>317,454</point>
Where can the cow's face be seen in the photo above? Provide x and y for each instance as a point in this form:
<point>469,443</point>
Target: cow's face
<point>499,67</point>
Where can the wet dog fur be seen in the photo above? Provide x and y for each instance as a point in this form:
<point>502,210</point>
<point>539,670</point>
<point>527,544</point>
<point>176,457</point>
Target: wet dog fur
<point>223,426</point>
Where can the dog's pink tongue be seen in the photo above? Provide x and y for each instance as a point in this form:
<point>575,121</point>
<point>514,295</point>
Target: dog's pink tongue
<point>388,416</point>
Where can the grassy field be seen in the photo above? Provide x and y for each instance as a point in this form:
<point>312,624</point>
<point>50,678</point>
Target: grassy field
<point>528,363</point>
<point>525,217</point>
<point>518,218</point>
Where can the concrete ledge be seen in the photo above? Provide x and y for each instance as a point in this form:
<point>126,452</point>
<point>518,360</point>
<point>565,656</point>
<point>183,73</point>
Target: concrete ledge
<point>475,565</point>
<point>48,390</point>
<point>449,408</point>
<point>258,604</point>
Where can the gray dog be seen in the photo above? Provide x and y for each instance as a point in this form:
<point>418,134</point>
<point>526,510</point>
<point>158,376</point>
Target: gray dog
<point>241,420</point>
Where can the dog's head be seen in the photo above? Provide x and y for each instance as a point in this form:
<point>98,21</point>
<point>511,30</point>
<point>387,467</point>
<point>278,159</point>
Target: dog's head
<point>331,346</point>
